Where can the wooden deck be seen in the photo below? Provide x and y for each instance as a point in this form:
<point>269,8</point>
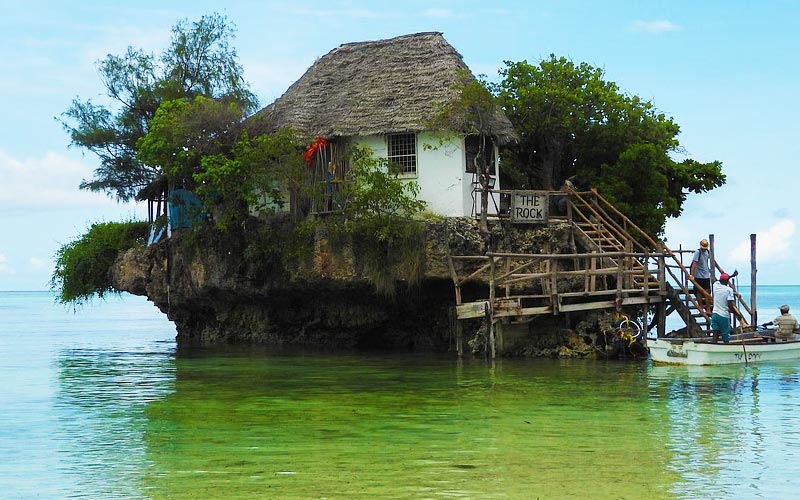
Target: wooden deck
<point>619,267</point>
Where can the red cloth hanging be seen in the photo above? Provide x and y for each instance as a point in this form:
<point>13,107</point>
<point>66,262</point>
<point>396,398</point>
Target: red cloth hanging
<point>321,142</point>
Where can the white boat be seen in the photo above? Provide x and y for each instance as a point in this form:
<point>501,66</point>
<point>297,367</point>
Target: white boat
<point>699,351</point>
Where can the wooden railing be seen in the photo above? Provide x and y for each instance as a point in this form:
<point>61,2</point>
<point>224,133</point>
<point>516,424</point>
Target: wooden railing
<point>676,273</point>
<point>533,284</point>
<point>592,211</point>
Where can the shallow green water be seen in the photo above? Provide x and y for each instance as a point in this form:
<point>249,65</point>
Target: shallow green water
<point>403,427</point>
<point>102,405</point>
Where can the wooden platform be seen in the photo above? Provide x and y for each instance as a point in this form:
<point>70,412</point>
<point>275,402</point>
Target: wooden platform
<point>619,267</point>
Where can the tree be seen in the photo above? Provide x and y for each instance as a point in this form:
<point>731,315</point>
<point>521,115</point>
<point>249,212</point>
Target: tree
<point>83,266</point>
<point>573,123</point>
<point>377,195</point>
<point>257,173</point>
<point>198,62</point>
<point>183,132</point>
<point>379,220</point>
<point>469,113</point>
<point>202,146</point>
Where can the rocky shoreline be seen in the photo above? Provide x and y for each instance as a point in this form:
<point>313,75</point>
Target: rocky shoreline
<point>202,280</point>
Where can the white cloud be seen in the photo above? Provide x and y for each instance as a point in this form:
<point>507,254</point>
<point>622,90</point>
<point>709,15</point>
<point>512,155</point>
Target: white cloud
<point>269,80</point>
<point>47,182</point>
<point>115,39</point>
<point>438,13</point>
<point>660,26</point>
<point>772,245</point>
<point>342,13</point>
<point>37,263</point>
<point>5,267</point>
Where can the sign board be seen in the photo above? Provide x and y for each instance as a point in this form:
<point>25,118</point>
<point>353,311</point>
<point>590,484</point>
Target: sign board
<point>472,309</point>
<point>529,207</point>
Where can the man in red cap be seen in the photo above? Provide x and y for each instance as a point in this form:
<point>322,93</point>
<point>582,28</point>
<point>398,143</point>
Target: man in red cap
<point>723,306</point>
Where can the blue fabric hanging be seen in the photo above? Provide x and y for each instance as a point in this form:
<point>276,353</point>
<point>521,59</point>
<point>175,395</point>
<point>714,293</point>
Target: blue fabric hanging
<point>185,209</point>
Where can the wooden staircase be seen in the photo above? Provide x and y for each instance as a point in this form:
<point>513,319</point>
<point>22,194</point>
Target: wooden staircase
<point>606,229</point>
<point>618,266</point>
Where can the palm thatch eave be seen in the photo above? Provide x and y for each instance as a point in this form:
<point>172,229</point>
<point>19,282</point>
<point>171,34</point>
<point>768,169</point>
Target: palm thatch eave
<point>377,87</point>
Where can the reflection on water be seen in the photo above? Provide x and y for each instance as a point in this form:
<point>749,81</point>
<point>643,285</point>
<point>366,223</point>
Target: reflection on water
<point>100,408</point>
<point>730,429</point>
<point>74,388</point>
<point>100,404</point>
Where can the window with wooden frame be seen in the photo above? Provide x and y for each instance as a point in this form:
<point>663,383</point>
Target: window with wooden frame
<point>472,144</point>
<point>402,151</point>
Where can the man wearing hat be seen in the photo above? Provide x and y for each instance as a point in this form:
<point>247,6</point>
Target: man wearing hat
<point>787,324</point>
<point>723,305</point>
<point>700,271</point>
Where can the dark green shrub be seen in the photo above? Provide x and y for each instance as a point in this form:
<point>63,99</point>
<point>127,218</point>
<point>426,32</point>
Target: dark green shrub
<point>83,267</point>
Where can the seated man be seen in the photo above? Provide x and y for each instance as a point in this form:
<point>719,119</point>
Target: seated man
<point>786,323</point>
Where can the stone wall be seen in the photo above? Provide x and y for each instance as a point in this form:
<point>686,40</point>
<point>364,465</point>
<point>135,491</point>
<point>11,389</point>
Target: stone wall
<point>207,285</point>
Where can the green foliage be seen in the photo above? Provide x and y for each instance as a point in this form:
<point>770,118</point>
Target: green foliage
<point>469,113</point>
<point>471,108</point>
<point>574,124</point>
<point>83,267</point>
<point>378,221</point>
<point>200,146</point>
<point>386,261</point>
<point>255,174</point>
<point>198,62</point>
<point>182,132</point>
<point>377,196</point>
<point>280,244</point>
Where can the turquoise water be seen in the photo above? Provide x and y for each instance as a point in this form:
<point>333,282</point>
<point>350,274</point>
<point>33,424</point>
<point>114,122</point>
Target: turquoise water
<point>101,404</point>
<point>768,302</point>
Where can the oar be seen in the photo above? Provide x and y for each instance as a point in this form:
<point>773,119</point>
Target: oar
<point>733,323</point>
<point>745,353</point>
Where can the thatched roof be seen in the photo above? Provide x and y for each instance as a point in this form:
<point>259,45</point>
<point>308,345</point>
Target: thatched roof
<point>376,87</point>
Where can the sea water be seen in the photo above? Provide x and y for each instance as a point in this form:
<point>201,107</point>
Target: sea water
<point>101,404</point>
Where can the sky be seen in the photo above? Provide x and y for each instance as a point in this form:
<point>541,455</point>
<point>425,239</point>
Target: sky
<point>725,71</point>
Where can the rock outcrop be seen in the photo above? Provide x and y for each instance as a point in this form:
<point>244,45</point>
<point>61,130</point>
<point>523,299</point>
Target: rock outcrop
<point>232,288</point>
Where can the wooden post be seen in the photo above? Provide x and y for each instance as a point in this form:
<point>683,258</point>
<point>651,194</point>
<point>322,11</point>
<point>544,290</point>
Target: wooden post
<point>546,280</point>
<point>586,276</point>
<point>646,273</point>
<point>508,270</point>
<point>492,339</point>
<point>459,342</point>
<point>499,336</point>
<point>620,278</point>
<point>628,264</point>
<point>753,273</point>
<point>684,277</point>
<point>713,264</point>
<point>454,277</point>
<point>554,286</point>
<point>662,319</point>
<point>490,312</point>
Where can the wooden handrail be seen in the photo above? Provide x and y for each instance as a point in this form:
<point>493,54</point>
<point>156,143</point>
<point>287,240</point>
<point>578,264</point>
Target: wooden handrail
<point>660,245</point>
<point>627,220</point>
<point>652,270</point>
<point>739,300</point>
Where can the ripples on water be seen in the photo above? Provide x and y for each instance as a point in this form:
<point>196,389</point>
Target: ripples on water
<point>101,405</point>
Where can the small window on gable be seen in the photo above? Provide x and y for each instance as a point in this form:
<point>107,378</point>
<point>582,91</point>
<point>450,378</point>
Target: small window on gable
<point>402,150</point>
<point>471,146</point>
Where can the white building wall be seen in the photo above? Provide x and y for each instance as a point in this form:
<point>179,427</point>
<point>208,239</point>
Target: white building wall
<point>441,173</point>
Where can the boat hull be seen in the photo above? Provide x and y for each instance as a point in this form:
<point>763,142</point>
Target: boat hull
<point>688,352</point>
